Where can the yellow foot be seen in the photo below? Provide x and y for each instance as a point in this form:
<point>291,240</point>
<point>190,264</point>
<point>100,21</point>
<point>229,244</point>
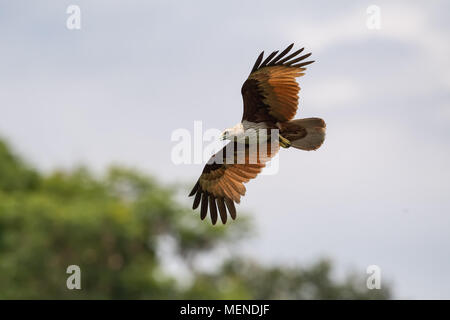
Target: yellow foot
<point>285,143</point>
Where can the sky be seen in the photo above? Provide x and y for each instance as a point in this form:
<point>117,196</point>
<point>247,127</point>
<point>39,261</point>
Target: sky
<point>114,91</point>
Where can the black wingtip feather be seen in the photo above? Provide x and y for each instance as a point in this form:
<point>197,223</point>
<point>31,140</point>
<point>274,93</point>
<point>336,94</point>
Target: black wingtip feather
<point>275,60</point>
<point>289,63</point>
<point>231,208</point>
<point>213,209</point>
<point>198,196</point>
<point>257,62</point>
<point>267,60</point>
<point>281,55</point>
<point>290,56</point>
<point>303,64</point>
<point>204,207</point>
<point>194,189</point>
<point>222,210</point>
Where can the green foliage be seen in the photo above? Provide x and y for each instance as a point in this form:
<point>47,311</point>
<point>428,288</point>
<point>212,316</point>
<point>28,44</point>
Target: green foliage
<point>245,279</point>
<point>14,174</point>
<point>113,227</point>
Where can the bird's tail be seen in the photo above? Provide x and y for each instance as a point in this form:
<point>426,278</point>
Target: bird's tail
<point>306,134</point>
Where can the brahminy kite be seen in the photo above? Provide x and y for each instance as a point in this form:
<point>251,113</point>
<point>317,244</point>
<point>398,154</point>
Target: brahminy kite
<point>270,96</point>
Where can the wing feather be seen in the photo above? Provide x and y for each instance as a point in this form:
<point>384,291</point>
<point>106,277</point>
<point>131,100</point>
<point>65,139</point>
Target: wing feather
<point>198,196</point>
<point>231,208</point>
<point>221,185</point>
<point>270,93</point>
<point>213,209</point>
<point>281,55</point>
<point>204,207</point>
<point>222,210</point>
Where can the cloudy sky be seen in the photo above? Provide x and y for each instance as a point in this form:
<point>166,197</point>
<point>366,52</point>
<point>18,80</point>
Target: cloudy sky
<point>378,190</point>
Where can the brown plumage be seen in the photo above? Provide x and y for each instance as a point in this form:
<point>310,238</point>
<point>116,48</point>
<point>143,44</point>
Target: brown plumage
<point>270,98</point>
<point>270,93</point>
<point>221,184</point>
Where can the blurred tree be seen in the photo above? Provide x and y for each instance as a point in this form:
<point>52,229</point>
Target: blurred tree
<point>14,174</point>
<point>113,227</point>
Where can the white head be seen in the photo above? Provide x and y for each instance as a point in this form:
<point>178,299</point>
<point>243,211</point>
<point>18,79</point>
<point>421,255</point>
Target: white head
<point>236,131</point>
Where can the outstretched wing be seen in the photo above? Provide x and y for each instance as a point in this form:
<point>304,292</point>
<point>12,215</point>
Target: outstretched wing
<point>270,93</point>
<point>221,183</point>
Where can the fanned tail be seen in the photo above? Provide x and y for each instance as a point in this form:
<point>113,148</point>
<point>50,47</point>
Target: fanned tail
<point>306,134</point>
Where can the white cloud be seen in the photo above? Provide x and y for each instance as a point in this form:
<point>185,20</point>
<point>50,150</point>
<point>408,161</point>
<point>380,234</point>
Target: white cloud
<point>408,24</point>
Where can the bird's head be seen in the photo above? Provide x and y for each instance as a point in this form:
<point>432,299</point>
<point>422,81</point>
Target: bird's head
<point>230,133</point>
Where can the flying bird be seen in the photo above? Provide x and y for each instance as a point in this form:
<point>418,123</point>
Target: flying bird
<point>270,96</point>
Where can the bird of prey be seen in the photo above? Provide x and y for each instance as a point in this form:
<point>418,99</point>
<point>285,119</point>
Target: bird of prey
<point>270,96</point>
